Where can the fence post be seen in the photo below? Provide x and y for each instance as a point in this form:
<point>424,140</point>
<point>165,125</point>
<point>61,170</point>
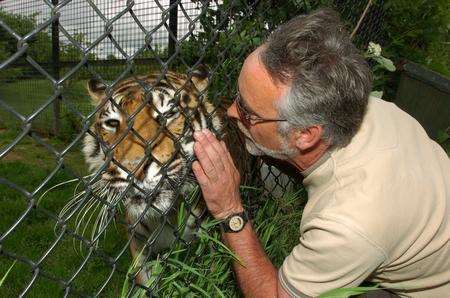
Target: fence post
<point>173,26</point>
<point>55,69</point>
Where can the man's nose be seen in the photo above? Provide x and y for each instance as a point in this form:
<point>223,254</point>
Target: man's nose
<point>232,111</point>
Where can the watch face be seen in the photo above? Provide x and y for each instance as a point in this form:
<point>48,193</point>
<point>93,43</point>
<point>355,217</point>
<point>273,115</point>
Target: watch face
<point>236,223</point>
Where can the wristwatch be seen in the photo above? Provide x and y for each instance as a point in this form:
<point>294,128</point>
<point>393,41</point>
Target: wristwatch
<point>235,222</point>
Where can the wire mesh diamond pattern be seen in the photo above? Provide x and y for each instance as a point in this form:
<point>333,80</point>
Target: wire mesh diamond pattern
<point>154,71</point>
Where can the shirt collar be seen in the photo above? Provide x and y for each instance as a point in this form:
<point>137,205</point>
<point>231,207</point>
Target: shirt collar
<point>317,164</point>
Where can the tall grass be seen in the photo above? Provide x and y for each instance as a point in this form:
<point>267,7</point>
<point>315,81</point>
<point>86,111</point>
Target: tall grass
<point>204,268</point>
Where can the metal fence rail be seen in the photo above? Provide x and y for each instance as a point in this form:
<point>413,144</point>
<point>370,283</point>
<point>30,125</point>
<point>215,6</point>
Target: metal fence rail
<point>109,40</point>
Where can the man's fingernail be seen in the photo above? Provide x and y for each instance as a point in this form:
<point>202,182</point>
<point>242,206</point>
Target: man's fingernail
<point>197,134</point>
<point>206,131</point>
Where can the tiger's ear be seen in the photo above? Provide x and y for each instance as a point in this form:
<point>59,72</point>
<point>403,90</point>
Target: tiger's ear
<point>96,90</point>
<point>200,77</point>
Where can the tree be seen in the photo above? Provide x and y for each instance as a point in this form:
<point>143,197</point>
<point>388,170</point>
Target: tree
<point>39,44</point>
<point>111,57</point>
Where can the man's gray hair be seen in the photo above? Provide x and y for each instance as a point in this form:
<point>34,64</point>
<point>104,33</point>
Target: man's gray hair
<point>330,80</point>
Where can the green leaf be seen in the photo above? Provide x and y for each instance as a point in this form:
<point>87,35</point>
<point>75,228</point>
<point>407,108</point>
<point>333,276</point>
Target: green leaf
<point>386,63</point>
<point>442,136</point>
<point>197,288</point>
<point>376,93</point>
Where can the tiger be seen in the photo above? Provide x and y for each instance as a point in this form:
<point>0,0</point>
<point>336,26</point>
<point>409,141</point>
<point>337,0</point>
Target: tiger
<point>144,126</point>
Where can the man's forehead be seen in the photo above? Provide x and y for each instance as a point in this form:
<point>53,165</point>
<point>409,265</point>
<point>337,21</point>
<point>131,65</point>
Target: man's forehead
<point>253,64</point>
<point>255,81</point>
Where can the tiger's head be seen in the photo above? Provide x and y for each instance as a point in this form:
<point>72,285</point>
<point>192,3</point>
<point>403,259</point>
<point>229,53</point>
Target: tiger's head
<point>142,136</point>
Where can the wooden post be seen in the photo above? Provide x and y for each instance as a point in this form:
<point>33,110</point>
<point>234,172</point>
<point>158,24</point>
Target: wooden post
<point>173,26</point>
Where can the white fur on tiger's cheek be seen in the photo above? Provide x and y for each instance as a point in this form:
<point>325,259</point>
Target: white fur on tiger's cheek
<point>164,201</point>
<point>162,101</point>
<point>134,210</point>
<point>188,148</point>
<point>152,176</point>
<point>92,153</point>
<point>110,113</point>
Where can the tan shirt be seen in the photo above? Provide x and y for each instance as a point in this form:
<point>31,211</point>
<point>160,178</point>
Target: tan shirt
<point>378,210</point>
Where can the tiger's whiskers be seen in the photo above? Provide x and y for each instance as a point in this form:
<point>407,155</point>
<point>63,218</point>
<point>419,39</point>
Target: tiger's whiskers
<point>85,204</point>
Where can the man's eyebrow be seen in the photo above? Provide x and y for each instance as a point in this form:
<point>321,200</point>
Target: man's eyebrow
<point>245,105</point>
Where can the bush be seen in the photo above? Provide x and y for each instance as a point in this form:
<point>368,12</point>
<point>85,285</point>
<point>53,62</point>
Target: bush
<point>419,31</point>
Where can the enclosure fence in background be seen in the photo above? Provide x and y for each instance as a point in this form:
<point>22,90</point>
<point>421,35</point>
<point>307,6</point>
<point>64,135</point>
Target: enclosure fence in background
<point>49,49</point>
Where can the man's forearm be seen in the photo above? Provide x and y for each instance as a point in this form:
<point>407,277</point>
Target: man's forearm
<point>257,276</point>
<point>217,176</point>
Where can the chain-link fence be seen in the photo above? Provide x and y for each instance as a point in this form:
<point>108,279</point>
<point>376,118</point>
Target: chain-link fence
<point>141,62</point>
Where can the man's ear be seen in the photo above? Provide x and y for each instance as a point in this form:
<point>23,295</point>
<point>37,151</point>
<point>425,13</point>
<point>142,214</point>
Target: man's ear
<point>96,90</point>
<point>200,77</point>
<point>308,138</point>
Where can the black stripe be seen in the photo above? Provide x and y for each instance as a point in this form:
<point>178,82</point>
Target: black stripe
<point>197,118</point>
<point>186,98</point>
<point>162,91</point>
<point>161,98</point>
<point>164,85</point>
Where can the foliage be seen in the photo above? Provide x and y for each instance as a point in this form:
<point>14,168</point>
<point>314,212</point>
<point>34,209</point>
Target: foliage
<point>379,65</point>
<point>230,31</point>
<point>443,138</point>
<point>40,44</point>
<point>419,31</point>
<point>70,52</point>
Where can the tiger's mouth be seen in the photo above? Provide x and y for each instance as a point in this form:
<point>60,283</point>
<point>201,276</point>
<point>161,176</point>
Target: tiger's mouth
<point>137,199</point>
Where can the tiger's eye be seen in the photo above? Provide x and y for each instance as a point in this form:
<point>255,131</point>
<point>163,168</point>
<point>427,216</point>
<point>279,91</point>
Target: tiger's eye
<point>170,114</point>
<point>112,123</point>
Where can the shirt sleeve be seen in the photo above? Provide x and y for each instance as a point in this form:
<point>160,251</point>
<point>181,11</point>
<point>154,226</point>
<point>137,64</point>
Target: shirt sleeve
<point>330,255</point>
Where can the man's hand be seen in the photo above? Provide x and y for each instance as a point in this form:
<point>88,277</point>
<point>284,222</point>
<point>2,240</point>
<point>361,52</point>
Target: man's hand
<point>217,175</point>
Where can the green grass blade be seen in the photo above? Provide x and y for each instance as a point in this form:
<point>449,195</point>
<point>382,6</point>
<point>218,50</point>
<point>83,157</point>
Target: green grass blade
<point>228,251</point>
<point>197,288</point>
<point>187,268</point>
<point>7,273</point>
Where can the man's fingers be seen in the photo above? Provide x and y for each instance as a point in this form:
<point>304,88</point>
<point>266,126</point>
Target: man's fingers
<point>209,145</point>
<point>205,162</point>
<point>214,143</point>
<point>199,174</point>
<point>226,153</point>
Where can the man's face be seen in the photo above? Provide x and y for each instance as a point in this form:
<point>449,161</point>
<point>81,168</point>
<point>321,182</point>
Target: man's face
<point>259,95</point>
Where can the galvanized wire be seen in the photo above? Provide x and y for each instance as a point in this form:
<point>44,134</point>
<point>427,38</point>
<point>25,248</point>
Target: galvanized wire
<point>105,28</point>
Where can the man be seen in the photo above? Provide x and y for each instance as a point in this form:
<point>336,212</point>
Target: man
<point>378,187</point>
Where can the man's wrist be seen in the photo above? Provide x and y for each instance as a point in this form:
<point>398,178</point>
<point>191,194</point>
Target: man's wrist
<point>229,211</point>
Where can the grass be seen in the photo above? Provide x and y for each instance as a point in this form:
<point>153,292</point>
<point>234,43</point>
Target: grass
<point>205,268</point>
<point>202,269</point>
<point>27,165</point>
<point>27,96</point>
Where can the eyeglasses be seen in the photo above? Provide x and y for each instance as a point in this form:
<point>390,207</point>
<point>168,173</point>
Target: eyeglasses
<point>248,118</point>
